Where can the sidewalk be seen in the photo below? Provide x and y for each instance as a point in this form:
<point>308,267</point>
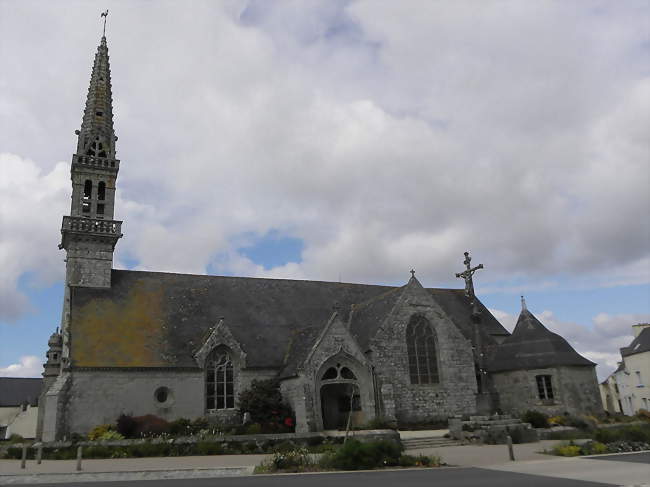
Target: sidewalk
<point>485,455</point>
<point>63,471</point>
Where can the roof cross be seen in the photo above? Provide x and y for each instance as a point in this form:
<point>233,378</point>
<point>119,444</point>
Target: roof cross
<point>467,276</point>
<point>412,272</point>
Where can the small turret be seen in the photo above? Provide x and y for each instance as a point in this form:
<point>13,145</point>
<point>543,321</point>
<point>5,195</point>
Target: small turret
<point>52,367</point>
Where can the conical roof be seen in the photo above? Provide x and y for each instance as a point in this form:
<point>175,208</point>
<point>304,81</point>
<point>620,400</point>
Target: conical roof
<point>97,123</point>
<point>533,346</point>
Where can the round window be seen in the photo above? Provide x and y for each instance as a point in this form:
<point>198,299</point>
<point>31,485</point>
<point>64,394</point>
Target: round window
<point>161,394</point>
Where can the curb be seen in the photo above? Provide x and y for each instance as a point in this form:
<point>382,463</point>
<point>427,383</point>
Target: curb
<point>64,478</point>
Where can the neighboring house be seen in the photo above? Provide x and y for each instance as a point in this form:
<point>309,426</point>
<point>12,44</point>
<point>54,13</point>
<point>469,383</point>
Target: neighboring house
<point>627,389</point>
<point>179,345</point>
<point>19,406</point>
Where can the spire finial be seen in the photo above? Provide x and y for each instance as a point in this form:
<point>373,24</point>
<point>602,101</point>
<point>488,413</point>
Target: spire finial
<point>105,15</point>
<point>412,273</point>
<point>523,304</point>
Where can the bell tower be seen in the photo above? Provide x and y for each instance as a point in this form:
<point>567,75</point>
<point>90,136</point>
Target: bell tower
<point>89,233</point>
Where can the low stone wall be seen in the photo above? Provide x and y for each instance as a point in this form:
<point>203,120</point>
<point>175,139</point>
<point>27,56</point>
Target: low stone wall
<point>492,429</point>
<point>297,438</point>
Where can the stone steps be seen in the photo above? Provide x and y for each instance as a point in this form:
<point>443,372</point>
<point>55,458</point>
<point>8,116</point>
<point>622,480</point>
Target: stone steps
<point>428,442</point>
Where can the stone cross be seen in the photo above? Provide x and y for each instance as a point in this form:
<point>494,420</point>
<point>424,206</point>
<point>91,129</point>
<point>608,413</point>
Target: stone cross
<point>467,276</point>
<point>412,273</point>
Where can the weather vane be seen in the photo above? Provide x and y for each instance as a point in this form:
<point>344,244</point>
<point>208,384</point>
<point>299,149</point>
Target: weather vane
<point>105,15</point>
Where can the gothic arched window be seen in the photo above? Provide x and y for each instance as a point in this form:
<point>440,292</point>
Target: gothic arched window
<point>421,347</point>
<point>219,391</point>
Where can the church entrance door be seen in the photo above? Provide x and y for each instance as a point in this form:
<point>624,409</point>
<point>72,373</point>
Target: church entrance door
<point>337,400</point>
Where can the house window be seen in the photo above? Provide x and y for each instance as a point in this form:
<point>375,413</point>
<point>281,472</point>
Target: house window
<point>544,387</point>
<point>421,348</point>
<point>220,392</point>
<point>639,382</point>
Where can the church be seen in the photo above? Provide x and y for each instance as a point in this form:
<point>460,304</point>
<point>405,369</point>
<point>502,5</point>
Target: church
<point>178,345</point>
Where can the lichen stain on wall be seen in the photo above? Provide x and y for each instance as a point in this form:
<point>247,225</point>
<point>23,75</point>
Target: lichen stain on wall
<point>127,332</point>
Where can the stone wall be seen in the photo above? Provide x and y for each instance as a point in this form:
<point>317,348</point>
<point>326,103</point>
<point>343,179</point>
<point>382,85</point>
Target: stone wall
<point>455,392</point>
<point>100,396</point>
<point>575,390</point>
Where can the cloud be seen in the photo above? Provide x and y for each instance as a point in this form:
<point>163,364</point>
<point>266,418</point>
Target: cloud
<point>29,366</point>
<point>599,341</point>
<point>32,203</point>
<point>383,138</point>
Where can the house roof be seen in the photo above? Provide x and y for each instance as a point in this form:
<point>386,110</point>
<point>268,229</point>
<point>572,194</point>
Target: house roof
<point>155,319</point>
<point>15,391</point>
<point>533,346</point>
<point>639,345</point>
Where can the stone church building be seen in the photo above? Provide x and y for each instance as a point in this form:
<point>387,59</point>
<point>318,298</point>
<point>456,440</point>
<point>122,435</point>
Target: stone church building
<point>179,345</point>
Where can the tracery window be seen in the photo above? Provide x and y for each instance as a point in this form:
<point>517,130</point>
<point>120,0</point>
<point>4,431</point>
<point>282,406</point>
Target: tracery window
<point>220,390</point>
<point>421,348</point>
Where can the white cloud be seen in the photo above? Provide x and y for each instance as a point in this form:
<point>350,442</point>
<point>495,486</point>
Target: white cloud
<point>385,138</point>
<point>32,203</point>
<point>29,366</point>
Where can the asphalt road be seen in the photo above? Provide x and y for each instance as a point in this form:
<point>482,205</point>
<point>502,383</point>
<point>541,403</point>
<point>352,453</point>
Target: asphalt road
<point>447,477</point>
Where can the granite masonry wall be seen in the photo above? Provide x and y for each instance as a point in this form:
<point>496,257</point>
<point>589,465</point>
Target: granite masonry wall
<point>455,392</point>
<point>575,390</point>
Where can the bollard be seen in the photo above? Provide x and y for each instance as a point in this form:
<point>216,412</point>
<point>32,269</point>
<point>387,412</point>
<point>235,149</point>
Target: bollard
<point>79,452</point>
<point>511,452</point>
<point>23,457</point>
<point>39,454</point>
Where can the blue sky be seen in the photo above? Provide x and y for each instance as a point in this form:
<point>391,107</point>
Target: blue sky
<point>349,140</point>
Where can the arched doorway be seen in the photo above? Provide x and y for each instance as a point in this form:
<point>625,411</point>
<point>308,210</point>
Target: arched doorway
<point>340,398</point>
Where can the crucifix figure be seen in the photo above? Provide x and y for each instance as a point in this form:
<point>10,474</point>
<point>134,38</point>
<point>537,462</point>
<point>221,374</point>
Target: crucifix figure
<point>105,15</point>
<point>467,276</point>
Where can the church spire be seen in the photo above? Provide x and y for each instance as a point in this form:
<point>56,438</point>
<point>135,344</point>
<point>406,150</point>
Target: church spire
<point>97,135</point>
<point>90,233</point>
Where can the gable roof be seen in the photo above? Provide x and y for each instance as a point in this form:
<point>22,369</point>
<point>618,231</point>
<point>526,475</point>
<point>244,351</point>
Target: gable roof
<point>15,391</point>
<point>533,346</point>
<point>639,345</point>
<point>156,319</point>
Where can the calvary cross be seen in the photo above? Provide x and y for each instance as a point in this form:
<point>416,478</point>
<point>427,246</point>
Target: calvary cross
<point>467,276</point>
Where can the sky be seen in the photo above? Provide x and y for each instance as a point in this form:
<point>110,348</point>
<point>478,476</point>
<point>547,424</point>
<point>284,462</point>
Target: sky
<point>342,141</point>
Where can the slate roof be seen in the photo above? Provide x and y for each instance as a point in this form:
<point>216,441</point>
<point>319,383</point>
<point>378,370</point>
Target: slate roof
<point>14,391</point>
<point>533,346</point>
<point>155,319</point>
<point>639,345</point>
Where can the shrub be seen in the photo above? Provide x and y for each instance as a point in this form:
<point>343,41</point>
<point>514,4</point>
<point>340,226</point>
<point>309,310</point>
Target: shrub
<point>110,436</point>
<point>98,431</point>
<point>180,427</point>
<point>199,425</point>
<point>295,460</point>
<point>418,461</point>
<point>15,438</point>
<point>150,425</point>
<point>643,415</point>
<point>567,450</point>
<point>557,421</point>
<point>355,455</point>
<point>578,422</point>
<point>126,425</point>
<point>208,448</point>
<point>626,433</point>
<point>253,429</point>
<point>264,402</point>
<point>593,448</point>
<point>535,418</point>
